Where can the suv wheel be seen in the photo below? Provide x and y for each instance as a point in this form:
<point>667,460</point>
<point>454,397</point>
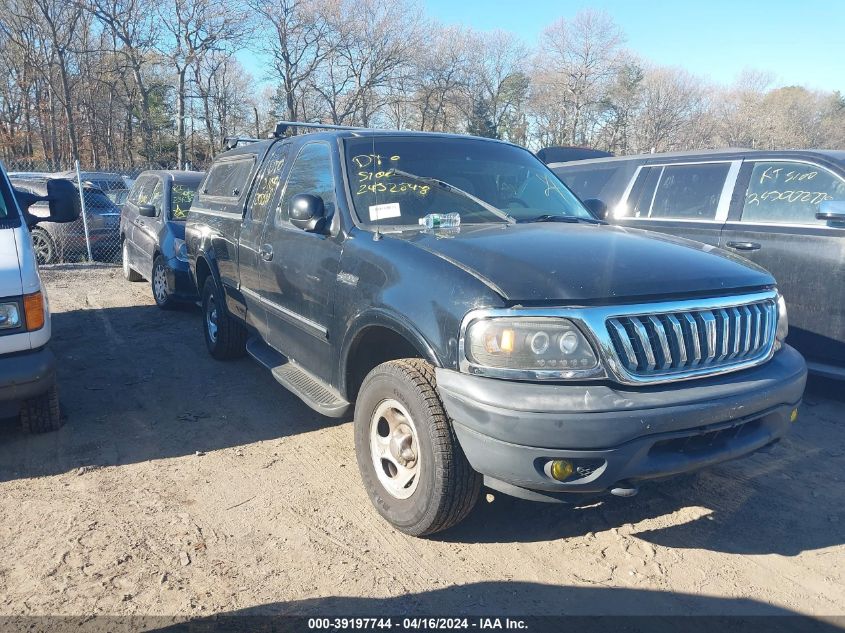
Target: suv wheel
<point>128,273</point>
<point>42,413</point>
<point>224,336</point>
<point>161,292</point>
<point>410,461</point>
<point>44,246</point>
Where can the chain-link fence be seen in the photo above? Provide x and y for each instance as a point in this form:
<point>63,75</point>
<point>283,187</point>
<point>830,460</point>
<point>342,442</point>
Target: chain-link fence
<point>95,236</point>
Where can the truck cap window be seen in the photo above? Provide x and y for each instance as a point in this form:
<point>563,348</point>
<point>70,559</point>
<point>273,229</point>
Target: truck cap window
<point>228,178</point>
<point>781,192</point>
<point>390,179</point>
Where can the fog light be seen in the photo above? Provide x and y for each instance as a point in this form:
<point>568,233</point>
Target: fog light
<point>560,469</point>
<point>794,415</point>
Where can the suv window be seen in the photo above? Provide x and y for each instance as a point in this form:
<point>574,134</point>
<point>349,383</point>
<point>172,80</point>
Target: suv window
<point>311,173</point>
<point>267,184</point>
<point>141,190</point>
<point>789,193</point>
<point>689,191</point>
<point>181,199</point>
<point>157,196</point>
<point>228,178</point>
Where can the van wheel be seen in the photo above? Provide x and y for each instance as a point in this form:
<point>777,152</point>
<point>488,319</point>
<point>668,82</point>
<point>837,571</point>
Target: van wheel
<point>44,246</point>
<point>128,273</point>
<point>410,460</point>
<point>161,293</point>
<point>225,337</point>
<point>42,413</point>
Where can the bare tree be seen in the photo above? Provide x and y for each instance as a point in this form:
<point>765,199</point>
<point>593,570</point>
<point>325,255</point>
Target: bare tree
<point>576,65</point>
<point>298,45</point>
<point>133,24</point>
<point>194,29</point>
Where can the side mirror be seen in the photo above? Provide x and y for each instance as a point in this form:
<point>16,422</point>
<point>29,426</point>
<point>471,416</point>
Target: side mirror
<point>596,207</point>
<point>832,211</point>
<point>63,198</point>
<point>147,210</point>
<point>307,212</point>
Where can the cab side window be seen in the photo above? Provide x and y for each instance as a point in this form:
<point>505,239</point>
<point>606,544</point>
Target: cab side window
<point>789,193</point>
<point>267,184</point>
<point>311,173</point>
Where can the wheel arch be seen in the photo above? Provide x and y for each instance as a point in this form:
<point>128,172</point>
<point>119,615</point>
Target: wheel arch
<point>376,338</point>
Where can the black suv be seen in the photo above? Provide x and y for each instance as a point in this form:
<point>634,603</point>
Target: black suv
<point>783,210</point>
<point>531,348</point>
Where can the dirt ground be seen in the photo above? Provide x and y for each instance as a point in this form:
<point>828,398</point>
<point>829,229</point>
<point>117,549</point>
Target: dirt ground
<point>183,486</point>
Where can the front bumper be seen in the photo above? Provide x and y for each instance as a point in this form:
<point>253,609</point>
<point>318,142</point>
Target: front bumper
<point>510,431</point>
<point>24,375</point>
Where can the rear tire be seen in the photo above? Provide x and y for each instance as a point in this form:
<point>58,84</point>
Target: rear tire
<point>401,427</point>
<point>44,247</point>
<point>225,337</point>
<point>161,293</point>
<point>42,413</point>
<point>128,273</point>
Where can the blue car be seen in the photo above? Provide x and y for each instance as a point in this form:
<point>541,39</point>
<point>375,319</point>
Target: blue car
<point>152,234</point>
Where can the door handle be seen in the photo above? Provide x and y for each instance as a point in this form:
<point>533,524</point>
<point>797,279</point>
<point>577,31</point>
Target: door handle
<point>744,246</point>
<point>266,252</point>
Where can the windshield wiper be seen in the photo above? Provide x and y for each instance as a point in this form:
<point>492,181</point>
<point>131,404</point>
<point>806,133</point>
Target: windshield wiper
<point>442,184</point>
<point>550,217</point>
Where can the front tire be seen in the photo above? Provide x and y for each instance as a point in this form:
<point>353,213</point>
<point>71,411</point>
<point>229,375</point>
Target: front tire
<point>129,273</point>
<point>411,463</point>
<point>42,413</point>
<point>161,291</point>
<point>225,337</point>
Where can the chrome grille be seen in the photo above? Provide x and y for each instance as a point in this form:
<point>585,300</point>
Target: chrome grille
<point>695,340</point>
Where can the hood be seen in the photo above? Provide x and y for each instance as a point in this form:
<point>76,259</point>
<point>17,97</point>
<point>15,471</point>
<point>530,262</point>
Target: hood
<point>543,262</point>
<point>10,265</point>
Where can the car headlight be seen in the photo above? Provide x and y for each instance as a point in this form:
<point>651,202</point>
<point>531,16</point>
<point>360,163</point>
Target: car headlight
<point>783,323</point>
<point>534,343</point>
<point>10,316</point>
<point>181,249</point>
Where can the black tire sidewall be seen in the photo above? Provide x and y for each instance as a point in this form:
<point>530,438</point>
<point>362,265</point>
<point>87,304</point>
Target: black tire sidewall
<point>209,290</point>
<point>403,513</point>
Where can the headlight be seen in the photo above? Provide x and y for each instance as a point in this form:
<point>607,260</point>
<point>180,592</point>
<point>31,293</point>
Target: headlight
<point>528,344</point>
<point>181,249</point>
<point>10,316</point>
<point>783,323</point>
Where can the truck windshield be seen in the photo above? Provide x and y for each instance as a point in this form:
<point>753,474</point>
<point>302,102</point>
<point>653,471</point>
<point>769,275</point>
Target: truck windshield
<point>397,180</point>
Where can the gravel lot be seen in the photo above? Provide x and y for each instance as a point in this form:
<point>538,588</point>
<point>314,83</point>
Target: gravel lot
<point>182,486</point>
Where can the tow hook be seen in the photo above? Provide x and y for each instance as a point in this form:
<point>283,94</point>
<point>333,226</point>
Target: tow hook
<point>624,490</point>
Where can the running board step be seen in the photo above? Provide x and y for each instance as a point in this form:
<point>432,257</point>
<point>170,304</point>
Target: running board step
<point>311,390</point>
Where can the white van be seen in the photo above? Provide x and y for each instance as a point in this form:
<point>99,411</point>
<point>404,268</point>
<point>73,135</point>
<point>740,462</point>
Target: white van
<point>27,366</point>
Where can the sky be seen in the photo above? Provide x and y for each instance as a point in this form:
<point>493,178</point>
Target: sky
<point>800,42</point>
